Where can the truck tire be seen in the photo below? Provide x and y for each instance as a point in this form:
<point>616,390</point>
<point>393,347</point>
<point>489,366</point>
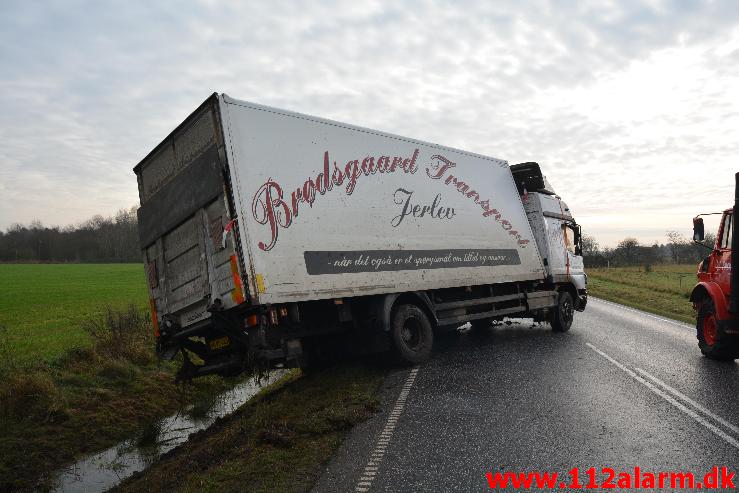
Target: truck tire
<point>412,335</point>
<point>709,341</point>
<point>561,317</point>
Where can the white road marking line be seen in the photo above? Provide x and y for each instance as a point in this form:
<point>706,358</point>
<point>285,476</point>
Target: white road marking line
<point>646,314</point>
<point>690,401</point>
<point>717,431</point>
<point>370,470</point>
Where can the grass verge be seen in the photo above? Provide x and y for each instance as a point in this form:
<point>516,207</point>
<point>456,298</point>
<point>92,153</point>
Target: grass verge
<point>277,442</point>
<point>663,291</point>
<point>52,413</point>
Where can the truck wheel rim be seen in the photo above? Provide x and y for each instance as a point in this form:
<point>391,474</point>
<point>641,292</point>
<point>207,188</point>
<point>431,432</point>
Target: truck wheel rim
<point>411,333</point>
<point>709,330</point>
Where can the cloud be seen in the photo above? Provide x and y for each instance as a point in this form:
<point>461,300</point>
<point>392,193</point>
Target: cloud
<point>629,106</point>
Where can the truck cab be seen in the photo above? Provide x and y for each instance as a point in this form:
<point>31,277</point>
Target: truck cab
<point>716,267</point>
<point>557,234</point>
<point>715,298</point>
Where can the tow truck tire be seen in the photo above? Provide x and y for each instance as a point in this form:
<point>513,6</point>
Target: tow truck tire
<point>561,317</point>
<point>710,343</point>
<point>412,334</point>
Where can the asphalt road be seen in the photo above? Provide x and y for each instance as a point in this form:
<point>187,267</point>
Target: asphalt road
<point>621,389</point>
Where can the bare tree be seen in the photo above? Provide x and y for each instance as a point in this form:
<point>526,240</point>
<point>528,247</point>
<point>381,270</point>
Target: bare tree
<point>628,250</point>
<point>590,246</point>
<point>678,246</point>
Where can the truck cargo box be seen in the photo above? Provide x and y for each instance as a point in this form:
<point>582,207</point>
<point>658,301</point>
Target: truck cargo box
<point>328,209</point>
<point>321,209</point>
<point>263,228</point>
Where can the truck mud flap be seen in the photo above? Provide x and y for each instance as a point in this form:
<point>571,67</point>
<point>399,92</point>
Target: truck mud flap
<point>581,301</point>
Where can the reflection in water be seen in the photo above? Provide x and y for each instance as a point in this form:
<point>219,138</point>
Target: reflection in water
<point>108,468</point>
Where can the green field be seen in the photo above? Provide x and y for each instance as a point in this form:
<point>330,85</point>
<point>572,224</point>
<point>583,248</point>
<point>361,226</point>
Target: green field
<point>43,305</point>
<point>64,391</point>
<point>663,291</point>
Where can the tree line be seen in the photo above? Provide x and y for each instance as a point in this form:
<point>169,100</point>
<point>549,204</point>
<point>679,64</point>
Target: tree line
<point>99,239</point>
<point>115,239</point>
<point>677,249</point>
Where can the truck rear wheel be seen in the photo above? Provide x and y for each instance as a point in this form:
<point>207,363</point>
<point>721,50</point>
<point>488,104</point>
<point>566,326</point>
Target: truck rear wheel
<point>561,317</point>
<point>710,343</point>
<point>411,334</point>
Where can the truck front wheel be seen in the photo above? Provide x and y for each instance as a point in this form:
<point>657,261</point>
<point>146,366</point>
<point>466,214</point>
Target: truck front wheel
<point>562,314</point>
<point>411,334</point>
<point>709,341</point>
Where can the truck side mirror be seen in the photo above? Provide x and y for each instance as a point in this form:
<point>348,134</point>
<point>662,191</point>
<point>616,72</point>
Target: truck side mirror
<point>578,240</point>
<point>698,232</point>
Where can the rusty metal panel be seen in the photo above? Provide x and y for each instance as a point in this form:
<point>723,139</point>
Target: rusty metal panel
<point>198,269</point>
<point>157,172</point>
<point>153,255</point>
<point>181,239</point>
<point>223,278</point>
<point>188,192</point>
<point>195,139</point>
<point>196,135</point>
<point>183,266</point>
<point>185,269</point>
<point>219,248</point>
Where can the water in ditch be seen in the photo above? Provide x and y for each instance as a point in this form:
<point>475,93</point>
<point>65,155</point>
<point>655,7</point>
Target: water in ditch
<point>104,470</point>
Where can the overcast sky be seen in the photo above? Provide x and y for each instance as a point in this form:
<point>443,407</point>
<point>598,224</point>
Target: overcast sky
<point>632,108</point>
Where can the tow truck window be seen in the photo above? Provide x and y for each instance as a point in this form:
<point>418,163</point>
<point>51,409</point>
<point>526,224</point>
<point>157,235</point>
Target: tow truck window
<point>726,232</point>
<point>569,234</point>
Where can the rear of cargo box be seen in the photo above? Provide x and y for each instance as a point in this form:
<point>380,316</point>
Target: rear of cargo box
<point>187,236</point>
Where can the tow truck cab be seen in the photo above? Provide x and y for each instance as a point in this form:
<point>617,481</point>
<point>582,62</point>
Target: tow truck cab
<point>715,302</point>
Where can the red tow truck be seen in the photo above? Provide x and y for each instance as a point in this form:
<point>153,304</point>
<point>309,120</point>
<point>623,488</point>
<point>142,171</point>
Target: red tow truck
<point>716,295</point>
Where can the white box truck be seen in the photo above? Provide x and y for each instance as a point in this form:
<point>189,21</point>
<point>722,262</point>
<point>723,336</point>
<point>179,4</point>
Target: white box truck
<point>268,233</point>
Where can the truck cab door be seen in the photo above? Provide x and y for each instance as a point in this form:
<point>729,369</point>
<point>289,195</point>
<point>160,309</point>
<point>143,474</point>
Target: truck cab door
<point>721,255</point>
<point>573,255</point>
<point>562,246</point>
